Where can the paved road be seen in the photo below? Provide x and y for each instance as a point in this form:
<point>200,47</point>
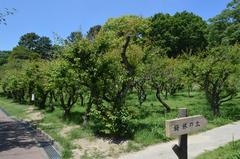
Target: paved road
<point>16,142</point>
<point>198,144</point>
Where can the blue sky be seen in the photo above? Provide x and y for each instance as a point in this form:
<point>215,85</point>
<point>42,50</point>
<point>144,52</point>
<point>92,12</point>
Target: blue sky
<point>46,17</point>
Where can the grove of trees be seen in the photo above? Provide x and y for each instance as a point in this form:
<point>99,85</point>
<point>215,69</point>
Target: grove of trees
<point>126,56</point>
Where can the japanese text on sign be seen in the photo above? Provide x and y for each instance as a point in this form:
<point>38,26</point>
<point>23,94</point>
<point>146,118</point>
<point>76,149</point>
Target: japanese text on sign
<point>185,125</point>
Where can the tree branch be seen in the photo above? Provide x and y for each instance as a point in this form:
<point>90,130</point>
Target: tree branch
<point>125,61</point>
<point>227,98</point>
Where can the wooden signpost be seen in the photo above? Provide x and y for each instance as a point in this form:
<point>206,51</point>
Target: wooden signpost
<point>181,127</point>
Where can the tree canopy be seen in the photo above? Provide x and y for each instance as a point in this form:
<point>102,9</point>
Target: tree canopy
<point>129,57</point>
<point>182,32</point>
<point>41,45</point>
<point>224,28</point>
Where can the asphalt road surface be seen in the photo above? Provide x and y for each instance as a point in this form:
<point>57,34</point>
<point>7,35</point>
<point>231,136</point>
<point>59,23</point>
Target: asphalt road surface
<point>16,142</point>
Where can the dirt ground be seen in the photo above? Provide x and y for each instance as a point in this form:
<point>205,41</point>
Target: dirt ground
<point>33,115</point>
<point>98,148</point>
<point>67,129</point>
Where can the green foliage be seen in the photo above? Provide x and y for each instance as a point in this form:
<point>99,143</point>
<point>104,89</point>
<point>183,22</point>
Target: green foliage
<point>14,86</point>
<point>148,126</point>
<point>4,57</point>
<point>119,82</point>
<point>99,68</point>
<point>117,69</point>
<point>44,47</point>
<point>65,84</point>
<point>21,53</point>
<point>162,75</point>
<point>224,28</point>
<point>35,43</point>
<point>187,72</point>
<point>93,31</point>
<point>120,72</point>
<point>178,33</point>
<point>41,83</point>
<point>113,33</point>
<point>30,78</point>
<point>74,37</point>
<point>217,72</point>
<point>29,41</point>
<point>111,122</point>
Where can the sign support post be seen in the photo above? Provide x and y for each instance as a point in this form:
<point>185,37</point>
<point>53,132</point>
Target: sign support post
<point>182,126</point>
<point>181,150</point>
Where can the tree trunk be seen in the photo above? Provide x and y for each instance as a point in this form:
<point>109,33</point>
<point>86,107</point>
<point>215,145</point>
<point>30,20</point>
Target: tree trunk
<point>166,94</point>
<point>88,109</point>
<point>66,113</point>
<point>81,99</point>
<point>213,97</point>
<point>216,109</point>
<point>165,105</point>
<point>215,102</point>
<point>52,108</point>
<point>141,95</point>
<point>189,90</point>
<point>42,104</point>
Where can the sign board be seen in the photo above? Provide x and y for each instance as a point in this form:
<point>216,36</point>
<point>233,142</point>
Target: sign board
<point>185,125</point>
<point>33,97</point>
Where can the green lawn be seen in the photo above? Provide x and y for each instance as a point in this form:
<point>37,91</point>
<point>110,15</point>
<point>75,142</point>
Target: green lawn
<point>148,123</point>
<point>14,109</point>
<point>229,151</point>
<point>151,116</point>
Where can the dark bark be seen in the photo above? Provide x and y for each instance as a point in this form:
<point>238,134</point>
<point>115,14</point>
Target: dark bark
<point>125,62</point>
<point>227,97</point>
<point>213,95</point>
<point>121,95</point>
<point>66,113</point>
<point>42,103</point>
<point>71,100</point>
<point>128,84</point>
<point>52,108</point>
<point>166,93</point>
<point>81,99</point>
<point>142,96</point>
<point>165,105</point>
<point>87,112</point>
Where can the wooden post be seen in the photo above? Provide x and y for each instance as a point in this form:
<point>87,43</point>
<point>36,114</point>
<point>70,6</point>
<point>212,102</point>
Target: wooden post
<point>181,150</point>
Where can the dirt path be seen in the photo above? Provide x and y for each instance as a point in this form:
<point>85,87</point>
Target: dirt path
<point>197,144</point>
<point>16,142</point>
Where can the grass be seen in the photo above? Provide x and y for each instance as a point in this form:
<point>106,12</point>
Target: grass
<point>95,155</point>
<point>148,123</point>
<point>151,117</point>
<point>229,151</point>
<point>14,109</point>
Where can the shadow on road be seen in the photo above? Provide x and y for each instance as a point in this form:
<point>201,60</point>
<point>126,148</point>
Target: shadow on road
<point>13,134</point>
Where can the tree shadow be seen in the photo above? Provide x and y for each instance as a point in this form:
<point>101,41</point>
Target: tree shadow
<point>2,94</point>
<point>231,111</point>
<point>13,134</point>
<point>75,117</point>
